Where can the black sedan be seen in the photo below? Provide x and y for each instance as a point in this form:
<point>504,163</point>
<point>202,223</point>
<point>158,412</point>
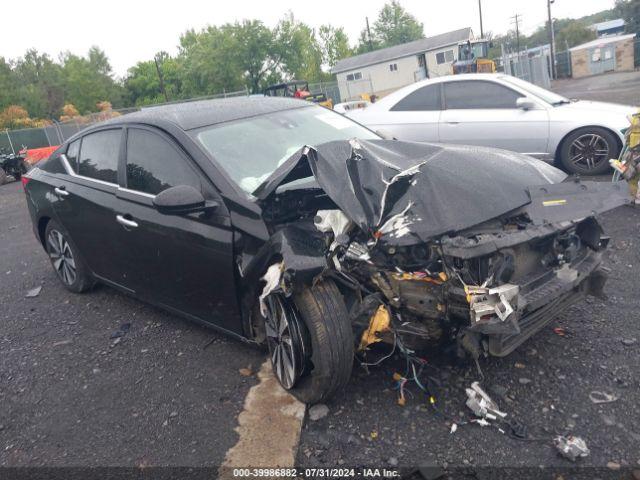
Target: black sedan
<point>286,224</point>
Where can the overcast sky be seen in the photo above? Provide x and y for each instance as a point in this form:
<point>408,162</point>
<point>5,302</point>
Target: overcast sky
<point>130,31</point>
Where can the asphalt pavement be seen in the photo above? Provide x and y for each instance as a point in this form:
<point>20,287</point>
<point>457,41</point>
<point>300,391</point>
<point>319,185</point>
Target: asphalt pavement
<point>166,392</point>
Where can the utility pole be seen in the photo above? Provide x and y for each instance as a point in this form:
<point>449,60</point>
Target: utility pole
<point>516,18</point>
<point>369,34</point>
<point>161,79</point>
<point>480,10</point>
<point>552,41</point>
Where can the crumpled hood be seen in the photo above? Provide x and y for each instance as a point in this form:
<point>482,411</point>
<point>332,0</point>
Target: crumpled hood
<point>402,192</point>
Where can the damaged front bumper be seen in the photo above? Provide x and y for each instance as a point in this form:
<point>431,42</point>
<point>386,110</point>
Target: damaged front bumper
<point>508,321</point>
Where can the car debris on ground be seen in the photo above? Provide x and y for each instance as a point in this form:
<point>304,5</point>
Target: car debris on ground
<point>571,447</point>
<point>34,292</point>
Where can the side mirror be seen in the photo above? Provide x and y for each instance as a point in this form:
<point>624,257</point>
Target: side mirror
<point>181,199</point>
<point>525,103</point>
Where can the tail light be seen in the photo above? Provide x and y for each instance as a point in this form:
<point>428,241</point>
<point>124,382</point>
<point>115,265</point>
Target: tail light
<point>25,180</point>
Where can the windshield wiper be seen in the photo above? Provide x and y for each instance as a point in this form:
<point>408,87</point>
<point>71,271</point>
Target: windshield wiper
<point>561,102</point>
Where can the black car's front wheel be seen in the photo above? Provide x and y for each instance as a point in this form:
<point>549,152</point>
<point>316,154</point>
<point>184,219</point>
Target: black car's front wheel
<point>310,341</point>
<point>587,151</point>
<point>63,254</point>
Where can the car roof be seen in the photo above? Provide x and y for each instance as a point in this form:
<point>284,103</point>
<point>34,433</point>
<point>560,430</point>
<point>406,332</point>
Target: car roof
<point>201,113</point>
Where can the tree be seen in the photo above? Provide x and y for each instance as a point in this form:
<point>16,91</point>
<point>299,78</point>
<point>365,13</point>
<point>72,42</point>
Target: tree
<point>334,44</point>
<point>629,10</point>
<point>574,34</point>
<point>396,26</point>
<point>40,84</point>
<point>89,80</point>
<point>14,116</point>
<point>296,52</point>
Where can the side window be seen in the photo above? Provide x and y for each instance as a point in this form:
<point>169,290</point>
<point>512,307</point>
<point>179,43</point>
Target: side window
<point>426,98</point>
<point>478,94</point>
<point>99,155</point>
<point>72,154</point>
<point>154,164</point>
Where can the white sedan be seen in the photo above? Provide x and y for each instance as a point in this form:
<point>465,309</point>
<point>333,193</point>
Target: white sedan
<point>498,110</point>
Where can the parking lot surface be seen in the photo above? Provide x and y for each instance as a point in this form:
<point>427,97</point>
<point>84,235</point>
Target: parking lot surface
<point>167,392</point>
<point>616,87</point>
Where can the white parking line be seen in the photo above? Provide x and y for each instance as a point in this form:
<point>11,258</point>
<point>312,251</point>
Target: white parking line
<point>269,427</point>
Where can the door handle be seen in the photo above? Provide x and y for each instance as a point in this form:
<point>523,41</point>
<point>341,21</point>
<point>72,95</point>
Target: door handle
<point>126,222</point>
<point>61,191</point>
<point>452,123</point>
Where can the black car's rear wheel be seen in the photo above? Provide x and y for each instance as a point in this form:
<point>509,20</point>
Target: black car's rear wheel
<point>63,254</point>
<point>310,342</point>
<point>587,151</point>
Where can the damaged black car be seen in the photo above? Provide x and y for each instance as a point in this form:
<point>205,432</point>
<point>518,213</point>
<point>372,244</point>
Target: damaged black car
<point>288,225</point>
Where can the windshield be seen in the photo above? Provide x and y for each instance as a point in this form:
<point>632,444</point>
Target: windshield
<point>546,95</point>
<point>249,150</point>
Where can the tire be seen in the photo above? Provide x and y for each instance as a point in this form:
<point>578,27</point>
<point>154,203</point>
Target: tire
<point>3,176</point>
<point>592,158</point>
<point>71,270</point>
<point>327,339</point>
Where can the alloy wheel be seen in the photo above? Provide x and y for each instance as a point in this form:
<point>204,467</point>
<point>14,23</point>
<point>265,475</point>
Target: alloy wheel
<point>61,257</point>
<point>588,151</point>
<point>285,340</point>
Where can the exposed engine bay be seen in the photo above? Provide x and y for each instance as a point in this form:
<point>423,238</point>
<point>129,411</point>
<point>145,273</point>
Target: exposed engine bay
<point>425,253</point>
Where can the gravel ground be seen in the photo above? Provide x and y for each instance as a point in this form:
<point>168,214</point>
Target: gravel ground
<point>70,395</point>
<point>545,385</point>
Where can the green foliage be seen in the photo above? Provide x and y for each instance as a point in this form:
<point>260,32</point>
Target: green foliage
<point>629,10</point>
<point>394,26</point>
<point>573,34</point>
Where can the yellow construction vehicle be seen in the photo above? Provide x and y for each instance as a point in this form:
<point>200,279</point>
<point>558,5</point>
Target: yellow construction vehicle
<point>473,57</point>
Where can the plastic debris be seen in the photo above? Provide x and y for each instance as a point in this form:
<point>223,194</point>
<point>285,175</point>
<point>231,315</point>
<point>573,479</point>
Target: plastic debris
<point>34,292</point>
<point>379,323</point>
<point>454,427</point>
<point>481,403</point>
<point>560,331</point>
<point>272,280</point>
<point>571,447</point>
<point>602,397</point>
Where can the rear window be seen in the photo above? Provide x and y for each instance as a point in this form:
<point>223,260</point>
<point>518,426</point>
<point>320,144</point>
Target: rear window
<point>426,98</point>
<point>99,155</point>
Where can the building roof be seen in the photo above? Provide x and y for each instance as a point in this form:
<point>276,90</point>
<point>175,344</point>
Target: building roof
<point>598,42</point>
<point>404,50</point>
<point>202,113</point>
<point>617,23</point>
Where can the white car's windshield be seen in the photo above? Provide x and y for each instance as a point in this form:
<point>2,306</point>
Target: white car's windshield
<point>546,95</point>
<point>249,150</point>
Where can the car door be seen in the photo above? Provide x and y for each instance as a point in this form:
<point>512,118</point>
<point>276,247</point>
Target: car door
<point>416,116</point>
<point>183,262</point>
<point>85,202</point>
<point>483,112</point>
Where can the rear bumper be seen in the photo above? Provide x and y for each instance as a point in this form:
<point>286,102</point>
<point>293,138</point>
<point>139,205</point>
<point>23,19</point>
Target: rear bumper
<point>541,299</point>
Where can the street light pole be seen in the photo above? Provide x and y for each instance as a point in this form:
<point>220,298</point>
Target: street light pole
<point>480,10</point>
<point>552,40</point>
